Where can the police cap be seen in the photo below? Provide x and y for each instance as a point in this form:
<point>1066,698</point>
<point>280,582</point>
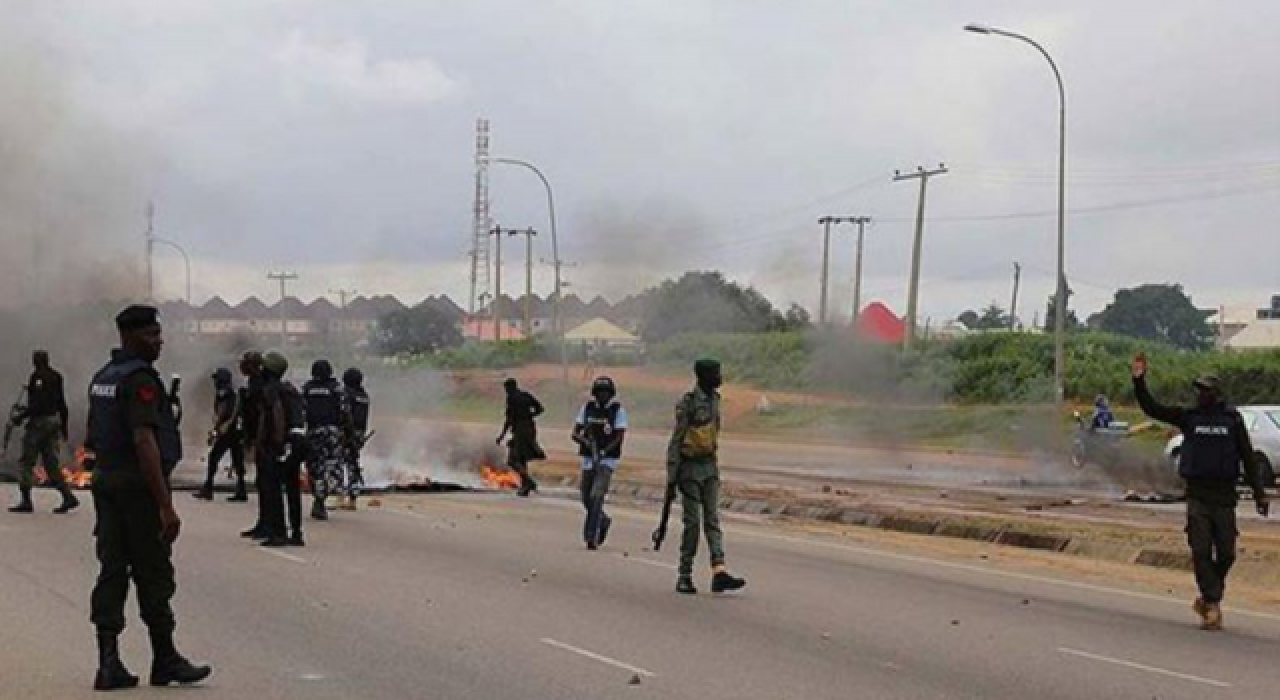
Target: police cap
<point>136,317</point>
<point>1208,382</point>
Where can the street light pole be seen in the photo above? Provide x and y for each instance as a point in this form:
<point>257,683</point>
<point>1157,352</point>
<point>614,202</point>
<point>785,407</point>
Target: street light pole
<point>185,259</point>
<point>1060,296</point>
<point>557,330</point>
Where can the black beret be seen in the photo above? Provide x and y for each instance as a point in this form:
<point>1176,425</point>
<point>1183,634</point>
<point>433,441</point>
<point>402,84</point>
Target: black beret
<point>137,316</point>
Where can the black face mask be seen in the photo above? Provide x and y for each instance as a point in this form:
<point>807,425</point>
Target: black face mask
<point>1207,399</point>
<point>602,397</point>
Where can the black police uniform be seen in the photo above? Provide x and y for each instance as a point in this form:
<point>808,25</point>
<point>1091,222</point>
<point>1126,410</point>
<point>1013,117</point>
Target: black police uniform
<point>280,454</point>
<point>523,409</point>
<point>126,394</point>
<point>227,411</point>
<point>251,418</point>
<point>1215,446</point>
<point>358,402</point>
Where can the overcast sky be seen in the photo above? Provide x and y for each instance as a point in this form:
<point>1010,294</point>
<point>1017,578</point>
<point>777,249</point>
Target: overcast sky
<point>336,138</point>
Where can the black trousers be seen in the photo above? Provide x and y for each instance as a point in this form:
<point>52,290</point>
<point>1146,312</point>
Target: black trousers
<point>280,486</point>
<point>1211,532</point>
<point>227,443</point>
<point>129,547</point>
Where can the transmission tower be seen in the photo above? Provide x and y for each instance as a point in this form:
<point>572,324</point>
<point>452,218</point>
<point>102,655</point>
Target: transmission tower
<point>480,218</point>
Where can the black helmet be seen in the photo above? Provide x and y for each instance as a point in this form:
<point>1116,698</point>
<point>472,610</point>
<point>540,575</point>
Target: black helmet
<point>604,385</point>
<point>221,376</point>
<point>321,369</point>
<point>353,377</point>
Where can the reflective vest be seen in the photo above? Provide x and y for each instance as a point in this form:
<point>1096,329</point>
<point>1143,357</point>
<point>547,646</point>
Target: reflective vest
<point>110,436</point>
<point>599,423</point>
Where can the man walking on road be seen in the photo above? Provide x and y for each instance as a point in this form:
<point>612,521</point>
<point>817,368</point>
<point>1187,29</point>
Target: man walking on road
<point>227,436</point>
<point>134,438</point>
<point>280,450</point>
<point>523,410</point>
<point>692,468</point>
<point>1215,445</point>
<point>599,431</point>
<point>46,430</point>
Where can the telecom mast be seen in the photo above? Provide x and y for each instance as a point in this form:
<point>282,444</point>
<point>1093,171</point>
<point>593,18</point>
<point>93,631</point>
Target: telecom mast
<point>481,223</point>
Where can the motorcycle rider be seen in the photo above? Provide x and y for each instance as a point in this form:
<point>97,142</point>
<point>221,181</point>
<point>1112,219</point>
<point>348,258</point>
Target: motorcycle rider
<point>1102,415</point>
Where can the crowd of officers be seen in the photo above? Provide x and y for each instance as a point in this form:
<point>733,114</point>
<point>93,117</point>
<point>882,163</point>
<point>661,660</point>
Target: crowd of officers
<point>324,426</point>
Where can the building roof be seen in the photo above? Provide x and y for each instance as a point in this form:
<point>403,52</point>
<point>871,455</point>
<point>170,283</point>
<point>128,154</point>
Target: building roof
<point>1256,336</point>
<point>253,308</point>
<point>599,329</point>
<point>571,306</point>
<point>878,323</point>
<point>217,309</point>
<point>482,329</point>
<point>323,310</point>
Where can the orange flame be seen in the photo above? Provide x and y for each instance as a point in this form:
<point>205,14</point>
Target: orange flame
<point>74,473</point>
<point>500,478</point>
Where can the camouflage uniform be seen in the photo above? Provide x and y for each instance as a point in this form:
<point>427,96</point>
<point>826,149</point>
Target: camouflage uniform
<point>692,467</point>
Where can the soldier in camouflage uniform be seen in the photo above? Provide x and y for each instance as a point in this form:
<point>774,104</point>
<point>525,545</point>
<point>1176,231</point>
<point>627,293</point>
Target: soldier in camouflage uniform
<point>693,470</point>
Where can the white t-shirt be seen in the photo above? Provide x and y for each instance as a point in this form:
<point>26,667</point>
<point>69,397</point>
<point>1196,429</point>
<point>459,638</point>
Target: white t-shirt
<point>611,463</point>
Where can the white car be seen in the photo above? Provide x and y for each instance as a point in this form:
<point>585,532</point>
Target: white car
<point>1263,423</point>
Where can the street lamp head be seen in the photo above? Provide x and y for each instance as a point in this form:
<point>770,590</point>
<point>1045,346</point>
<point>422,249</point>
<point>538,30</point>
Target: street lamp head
<point>977,28</point>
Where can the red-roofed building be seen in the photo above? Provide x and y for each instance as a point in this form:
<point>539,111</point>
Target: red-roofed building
<point>877,323</point>
<point>481,329</point>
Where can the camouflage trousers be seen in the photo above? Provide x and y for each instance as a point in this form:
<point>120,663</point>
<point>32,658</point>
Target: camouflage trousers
<point>40,444</point>
<point>326,462</point>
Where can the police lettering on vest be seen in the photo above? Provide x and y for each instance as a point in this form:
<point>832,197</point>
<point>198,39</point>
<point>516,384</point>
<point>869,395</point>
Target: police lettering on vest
<point>110,435</point>
<point>1209,448</point>
<point>359,399</point>
<point>324,403</point>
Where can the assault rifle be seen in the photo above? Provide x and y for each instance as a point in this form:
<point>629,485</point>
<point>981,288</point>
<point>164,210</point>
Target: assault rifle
<point>17,416</point>
<point>660,534</point>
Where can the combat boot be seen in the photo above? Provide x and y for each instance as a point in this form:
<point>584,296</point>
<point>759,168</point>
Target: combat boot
<point>255,533</point>
<point>296,540</point>
<point>24,505</point>
<point>238,497</point>
<point>69,502</point>
<point>275,541</point>
<point>723,581</point>
<point>205,493</point>
<point>112,675</point>
<point>684,585</point>
<point>168,666</point>
<point>1212,618</point>
<point>318,511</point>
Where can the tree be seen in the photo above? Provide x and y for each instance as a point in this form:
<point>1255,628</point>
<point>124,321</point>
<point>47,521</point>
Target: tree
<point>706,302</point>
<point>992,318</point>
<point>1051,313</point>
<point>797,317</point>
<point>1159,312</point>
<point>419,330</point>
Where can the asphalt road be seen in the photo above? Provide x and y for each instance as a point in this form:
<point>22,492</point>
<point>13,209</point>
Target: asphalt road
<point>487,596</point>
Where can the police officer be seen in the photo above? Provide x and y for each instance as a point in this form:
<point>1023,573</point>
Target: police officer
<point>692,469</point>
<point>328,422</point>
<point>135,442</point>
<point>523,410</point>
<point>46,428</point>
<point>358,400</point>
<point>227,436</point>
<point>1215,446</point>
<point>279,453</point>
<point>251,416</point>
<point>599,431</point>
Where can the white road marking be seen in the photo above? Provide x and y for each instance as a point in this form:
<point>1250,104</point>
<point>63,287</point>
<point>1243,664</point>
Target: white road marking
<point>650,562</point>
<point>1143,667</point>
<point>598,657</point>
<point>1093,588</point>
<point>282,555</point>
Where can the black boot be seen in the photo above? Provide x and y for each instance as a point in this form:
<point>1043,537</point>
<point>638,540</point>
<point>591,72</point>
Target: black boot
<point>69,501</point>
<point>112,675</point>
<point>605,522</point>
<point>257,532</point>
<point>205,493</point>
<point>24,505</point>
<point>240,496</point>
<point>296,539</point>
<point>724,581</point>
<point>318,511</point>
<point>275,541</point>
<point>684,585</point>
<point>168,666</point>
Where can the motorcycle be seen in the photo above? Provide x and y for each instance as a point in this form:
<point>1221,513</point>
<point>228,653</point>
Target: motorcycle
<point>1096,445</point>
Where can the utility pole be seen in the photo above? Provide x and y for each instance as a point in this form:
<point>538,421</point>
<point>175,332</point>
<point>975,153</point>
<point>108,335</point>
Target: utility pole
<point>826,222</point>
<point>497,234</point>
<point>343,294</point>
<point>1013,307</point>
<point>283,278</point>
<point>151,245</point>
<point>861,221</point>
<point>528,234</point>
<point>913,291</point>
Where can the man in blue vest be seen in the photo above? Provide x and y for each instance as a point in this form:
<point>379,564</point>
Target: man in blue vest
<point>599,431</point>
<point>1215,446</point>
<point>134,439</point>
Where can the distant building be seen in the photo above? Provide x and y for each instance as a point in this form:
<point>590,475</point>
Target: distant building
<point>1240,330</point>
